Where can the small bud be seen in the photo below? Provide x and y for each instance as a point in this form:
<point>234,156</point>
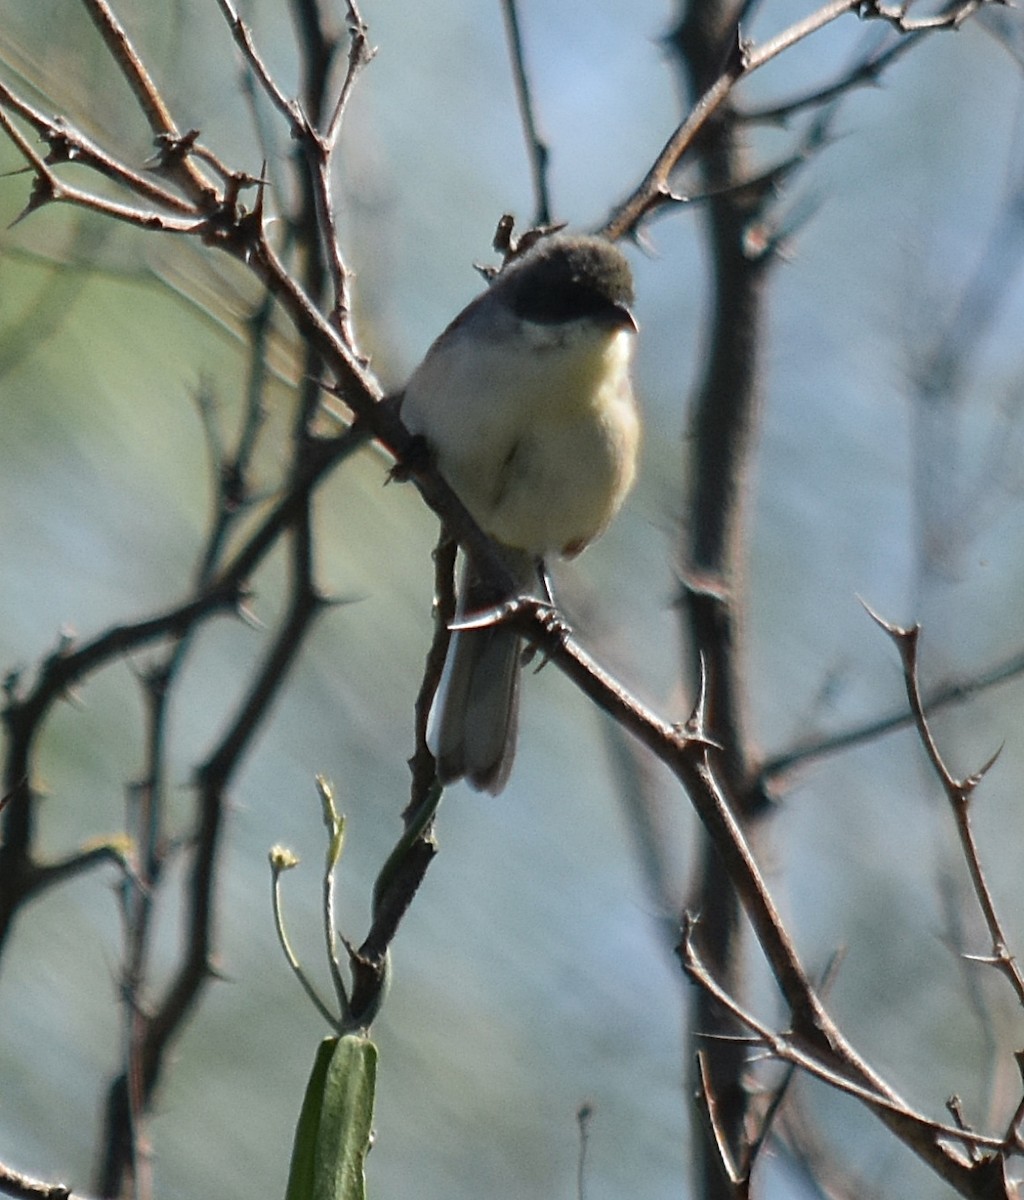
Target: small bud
<point>282,859</point>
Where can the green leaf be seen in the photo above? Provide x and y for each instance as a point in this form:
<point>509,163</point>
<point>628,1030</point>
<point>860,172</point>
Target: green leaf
<point>346,1123</point>
<point>333,1133</point>
<point>300,1175</point>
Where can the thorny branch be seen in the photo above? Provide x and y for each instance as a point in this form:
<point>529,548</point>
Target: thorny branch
<point>959,793</point>
<point>182,168</point>
<point>786,1047</point>
<point>655,190</point>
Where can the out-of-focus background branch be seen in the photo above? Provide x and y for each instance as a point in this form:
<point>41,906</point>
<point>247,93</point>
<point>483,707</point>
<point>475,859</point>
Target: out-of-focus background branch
<point>534,969</point>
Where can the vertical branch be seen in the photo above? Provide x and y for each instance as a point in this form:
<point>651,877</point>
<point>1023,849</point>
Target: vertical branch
<point>314,225</point>
<point>319,46</point>
<point>123,1165</point>
<point>144,824</point>
<point>724,426</point>
<point>536,147</point>
<point>197,966</point>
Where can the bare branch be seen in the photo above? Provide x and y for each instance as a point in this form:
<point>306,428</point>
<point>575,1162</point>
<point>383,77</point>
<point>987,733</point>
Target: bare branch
<point>360,55</point>
<point>24,1187</point>
<point>917,1131</point>
<point>655,191</point>
<point>536,148</point>
<point>68,144</point>
<point>942,696</point>
<point>958,793</point>
<point>146,94</point>
<point>867,72</point>
<point>287,107</point>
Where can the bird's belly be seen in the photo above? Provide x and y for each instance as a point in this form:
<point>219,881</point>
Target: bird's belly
<point>546,454</point>
<point>560,484</point>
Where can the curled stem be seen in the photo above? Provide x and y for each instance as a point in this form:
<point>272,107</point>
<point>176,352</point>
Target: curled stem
<point>282,860</point>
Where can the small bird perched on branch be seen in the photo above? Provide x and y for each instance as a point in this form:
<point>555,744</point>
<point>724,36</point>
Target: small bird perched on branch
<point>527,403</point>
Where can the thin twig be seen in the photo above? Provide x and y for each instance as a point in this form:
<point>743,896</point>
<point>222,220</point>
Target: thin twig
<point>146,93</point>
<point>654,190</point>
<point>69,144</point>
<point>24,1187</point>
<point>536,147</point>
<point>863,73</point>
<point>360,55</point>
<point>287,107</point>
<point>785,1047</point>
<point>942,696</point>
<point>49,189</point>
<point>959,793</point>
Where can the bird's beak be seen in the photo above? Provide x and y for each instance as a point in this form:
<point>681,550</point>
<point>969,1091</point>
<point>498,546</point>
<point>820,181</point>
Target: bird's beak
<point>617,316</point>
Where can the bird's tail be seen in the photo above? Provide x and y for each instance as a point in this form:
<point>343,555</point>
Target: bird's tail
<point>474,720</point>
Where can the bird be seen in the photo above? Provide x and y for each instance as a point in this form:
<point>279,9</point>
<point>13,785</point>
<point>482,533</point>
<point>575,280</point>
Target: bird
<point>527,407</point>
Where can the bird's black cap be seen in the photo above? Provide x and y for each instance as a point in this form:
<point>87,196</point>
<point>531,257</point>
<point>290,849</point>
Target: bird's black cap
<point>564,278</point>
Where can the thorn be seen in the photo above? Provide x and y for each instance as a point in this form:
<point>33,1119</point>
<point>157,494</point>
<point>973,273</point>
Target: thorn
<point>259,209</point>
<point>696,722</point>
<point>694,728</point>
<point>44,191</point>
<point>327,600</point>
<point>243,610</point>
<point>896,632</point>
<point>486,618</point>
<point>972,781</point>
<point>171,150</point>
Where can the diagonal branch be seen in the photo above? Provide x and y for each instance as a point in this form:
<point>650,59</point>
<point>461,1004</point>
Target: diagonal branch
<point>959,793</point>
<point>775,768</point>
<point>919,1132</point>
<point>655,191</point>
<point>146,94</point>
